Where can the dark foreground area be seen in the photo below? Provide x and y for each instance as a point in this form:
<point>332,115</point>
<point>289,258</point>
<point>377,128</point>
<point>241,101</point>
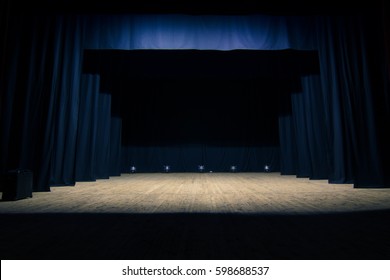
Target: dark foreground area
<point>358,235</point>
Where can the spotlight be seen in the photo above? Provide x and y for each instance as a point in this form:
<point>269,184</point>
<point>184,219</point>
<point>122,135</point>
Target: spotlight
<point>266,168</point>
<point>167,168</point>
<point>201,168</point>
<point>133,169</point>
<point>233,168</point>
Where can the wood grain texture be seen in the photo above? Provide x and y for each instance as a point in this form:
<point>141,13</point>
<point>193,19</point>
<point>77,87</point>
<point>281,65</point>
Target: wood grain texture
<point>203,193</point>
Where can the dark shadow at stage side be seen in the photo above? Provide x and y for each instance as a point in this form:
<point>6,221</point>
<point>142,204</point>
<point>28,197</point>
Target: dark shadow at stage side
<point>360,235</point>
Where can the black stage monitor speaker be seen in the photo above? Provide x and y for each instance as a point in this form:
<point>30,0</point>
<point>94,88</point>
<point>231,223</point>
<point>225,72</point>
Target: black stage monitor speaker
<point>17,184</point>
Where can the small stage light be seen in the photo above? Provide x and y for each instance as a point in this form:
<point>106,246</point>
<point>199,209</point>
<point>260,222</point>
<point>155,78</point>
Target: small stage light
<point>201,168</point>
<point>133,169</point>
<point>233,168</point>
<point>167,168</point>
<point>266,168</point>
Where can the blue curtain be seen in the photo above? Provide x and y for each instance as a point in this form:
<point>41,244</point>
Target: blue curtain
<point>352,78</point>
<point>58,121</point>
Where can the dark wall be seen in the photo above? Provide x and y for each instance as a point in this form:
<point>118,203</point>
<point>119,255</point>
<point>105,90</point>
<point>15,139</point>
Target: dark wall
<point>184,108</point>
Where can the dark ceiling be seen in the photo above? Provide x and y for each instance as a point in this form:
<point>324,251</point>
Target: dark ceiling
<point>272,7</point>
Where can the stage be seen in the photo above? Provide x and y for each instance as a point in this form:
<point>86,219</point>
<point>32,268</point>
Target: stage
<point>199,216</point>
<point>219,193</point>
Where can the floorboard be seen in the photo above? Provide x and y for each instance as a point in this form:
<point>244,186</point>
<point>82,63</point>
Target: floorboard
<point>199,216</point>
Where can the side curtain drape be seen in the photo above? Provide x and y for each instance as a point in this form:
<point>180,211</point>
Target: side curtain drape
<point>386,138</point>
<point>335,126</point>
<point>304,147</point>
<point>351,66</point>
<point>50,111</point>
<point>27,109</point>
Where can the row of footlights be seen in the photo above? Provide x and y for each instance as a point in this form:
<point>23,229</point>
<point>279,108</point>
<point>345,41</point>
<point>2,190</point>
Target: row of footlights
<point>201,168</point>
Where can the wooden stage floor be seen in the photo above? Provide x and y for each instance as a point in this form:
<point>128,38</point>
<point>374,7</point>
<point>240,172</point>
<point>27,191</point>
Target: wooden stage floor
<point>199,216</point>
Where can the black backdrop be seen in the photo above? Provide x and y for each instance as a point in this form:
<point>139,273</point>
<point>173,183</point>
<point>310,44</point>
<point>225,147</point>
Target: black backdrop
<point>66,124</point>
<point>186,108</point>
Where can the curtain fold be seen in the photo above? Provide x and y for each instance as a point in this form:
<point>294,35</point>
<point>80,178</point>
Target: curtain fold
<point>304,147</point>
<point>85,169</point>
<point>349,51</point>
